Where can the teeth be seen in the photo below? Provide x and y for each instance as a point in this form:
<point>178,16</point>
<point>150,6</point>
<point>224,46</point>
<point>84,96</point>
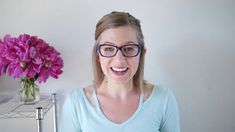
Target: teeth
<point>119,69</point>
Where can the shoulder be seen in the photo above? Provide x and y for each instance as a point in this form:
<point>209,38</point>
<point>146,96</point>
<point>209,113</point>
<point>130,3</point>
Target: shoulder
<point>164,93</point>
<point>166,96</point>
<point>79,92</point>
<point>148,89</point>
<point>162,90</point>
<point>170,113</point>
<point>88,92</point>
<point>158,92</point>
<point>80,96</point>
<point>73,96</point>
<point>75,93</point>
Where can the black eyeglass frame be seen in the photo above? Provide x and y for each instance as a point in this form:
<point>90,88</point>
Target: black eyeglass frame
<point>98,46</point>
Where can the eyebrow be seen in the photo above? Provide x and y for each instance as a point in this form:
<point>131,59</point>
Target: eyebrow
<point>129,42</point>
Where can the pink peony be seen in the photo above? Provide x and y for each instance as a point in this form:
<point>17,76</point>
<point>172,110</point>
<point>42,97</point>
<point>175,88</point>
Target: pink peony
<point>3,61</point>
<point>29,57</point>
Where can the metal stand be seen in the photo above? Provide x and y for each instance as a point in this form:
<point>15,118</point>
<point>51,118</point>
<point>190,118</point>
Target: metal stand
<point>11,109</point>
<point>54,101</point>
<point>39,118</point>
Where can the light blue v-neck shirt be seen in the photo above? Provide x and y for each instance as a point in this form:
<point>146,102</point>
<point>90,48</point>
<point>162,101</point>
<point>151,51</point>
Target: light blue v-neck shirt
<point>159,113</point>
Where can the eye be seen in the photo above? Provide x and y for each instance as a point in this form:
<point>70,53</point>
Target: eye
<point>129,49</point>
<point>108,49</point>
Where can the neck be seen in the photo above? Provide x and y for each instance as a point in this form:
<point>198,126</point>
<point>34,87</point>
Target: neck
<point>117,90</point>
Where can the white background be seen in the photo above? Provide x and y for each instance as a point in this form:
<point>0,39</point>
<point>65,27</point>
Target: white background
<point>190,48</point>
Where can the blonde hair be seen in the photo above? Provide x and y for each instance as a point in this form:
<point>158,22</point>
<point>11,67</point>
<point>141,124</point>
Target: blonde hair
<point>114,20</point>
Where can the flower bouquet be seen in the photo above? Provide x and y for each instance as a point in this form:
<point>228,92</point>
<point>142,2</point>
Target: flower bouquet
<point>29,59</point>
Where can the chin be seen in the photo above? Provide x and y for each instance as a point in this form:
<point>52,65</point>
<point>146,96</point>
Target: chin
<point>120,81</point>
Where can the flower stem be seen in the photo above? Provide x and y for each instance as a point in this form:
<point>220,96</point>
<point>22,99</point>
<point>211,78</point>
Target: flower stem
<point>28,89</point>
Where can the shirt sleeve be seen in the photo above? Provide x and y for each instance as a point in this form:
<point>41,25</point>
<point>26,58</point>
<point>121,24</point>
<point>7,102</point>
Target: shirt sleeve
<point>69,121</point>
<point>170,121</point>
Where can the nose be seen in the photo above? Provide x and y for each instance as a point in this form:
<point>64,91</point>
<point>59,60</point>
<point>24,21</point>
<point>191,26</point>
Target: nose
<point>119,55</point>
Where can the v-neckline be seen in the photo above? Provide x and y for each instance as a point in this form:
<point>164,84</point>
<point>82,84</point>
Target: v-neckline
<point>97,104</point>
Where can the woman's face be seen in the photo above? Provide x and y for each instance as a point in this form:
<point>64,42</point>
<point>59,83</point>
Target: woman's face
<point>119,69</point>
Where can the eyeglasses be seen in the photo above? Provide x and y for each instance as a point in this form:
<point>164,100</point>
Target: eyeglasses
<point>128,50</point>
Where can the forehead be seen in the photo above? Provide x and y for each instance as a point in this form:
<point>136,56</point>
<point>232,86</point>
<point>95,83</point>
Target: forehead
<point>119,35</point>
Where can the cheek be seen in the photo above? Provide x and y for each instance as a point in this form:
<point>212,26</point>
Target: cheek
<point>135,64</point>
<point>103,63</point>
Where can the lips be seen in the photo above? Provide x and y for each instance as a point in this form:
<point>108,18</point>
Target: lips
<point>119,70</point>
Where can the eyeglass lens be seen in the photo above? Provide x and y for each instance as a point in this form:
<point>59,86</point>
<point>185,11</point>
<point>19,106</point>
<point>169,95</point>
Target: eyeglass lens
<point>130,50</point>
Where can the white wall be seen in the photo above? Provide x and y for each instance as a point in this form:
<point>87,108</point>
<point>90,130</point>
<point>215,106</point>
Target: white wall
<point>190,48</point>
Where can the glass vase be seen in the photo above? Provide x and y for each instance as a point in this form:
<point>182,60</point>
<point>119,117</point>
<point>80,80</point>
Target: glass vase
<point>29,91</point>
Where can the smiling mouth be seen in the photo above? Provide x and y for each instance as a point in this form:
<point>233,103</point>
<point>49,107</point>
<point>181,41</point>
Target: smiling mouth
<point>119,70</point>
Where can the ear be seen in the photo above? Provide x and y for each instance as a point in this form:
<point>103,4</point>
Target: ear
<point>97,58</point>
<point>144,51</point>
<point>96,54</point>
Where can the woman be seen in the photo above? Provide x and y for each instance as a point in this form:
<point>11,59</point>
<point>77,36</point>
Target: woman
<point>120,100</point>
